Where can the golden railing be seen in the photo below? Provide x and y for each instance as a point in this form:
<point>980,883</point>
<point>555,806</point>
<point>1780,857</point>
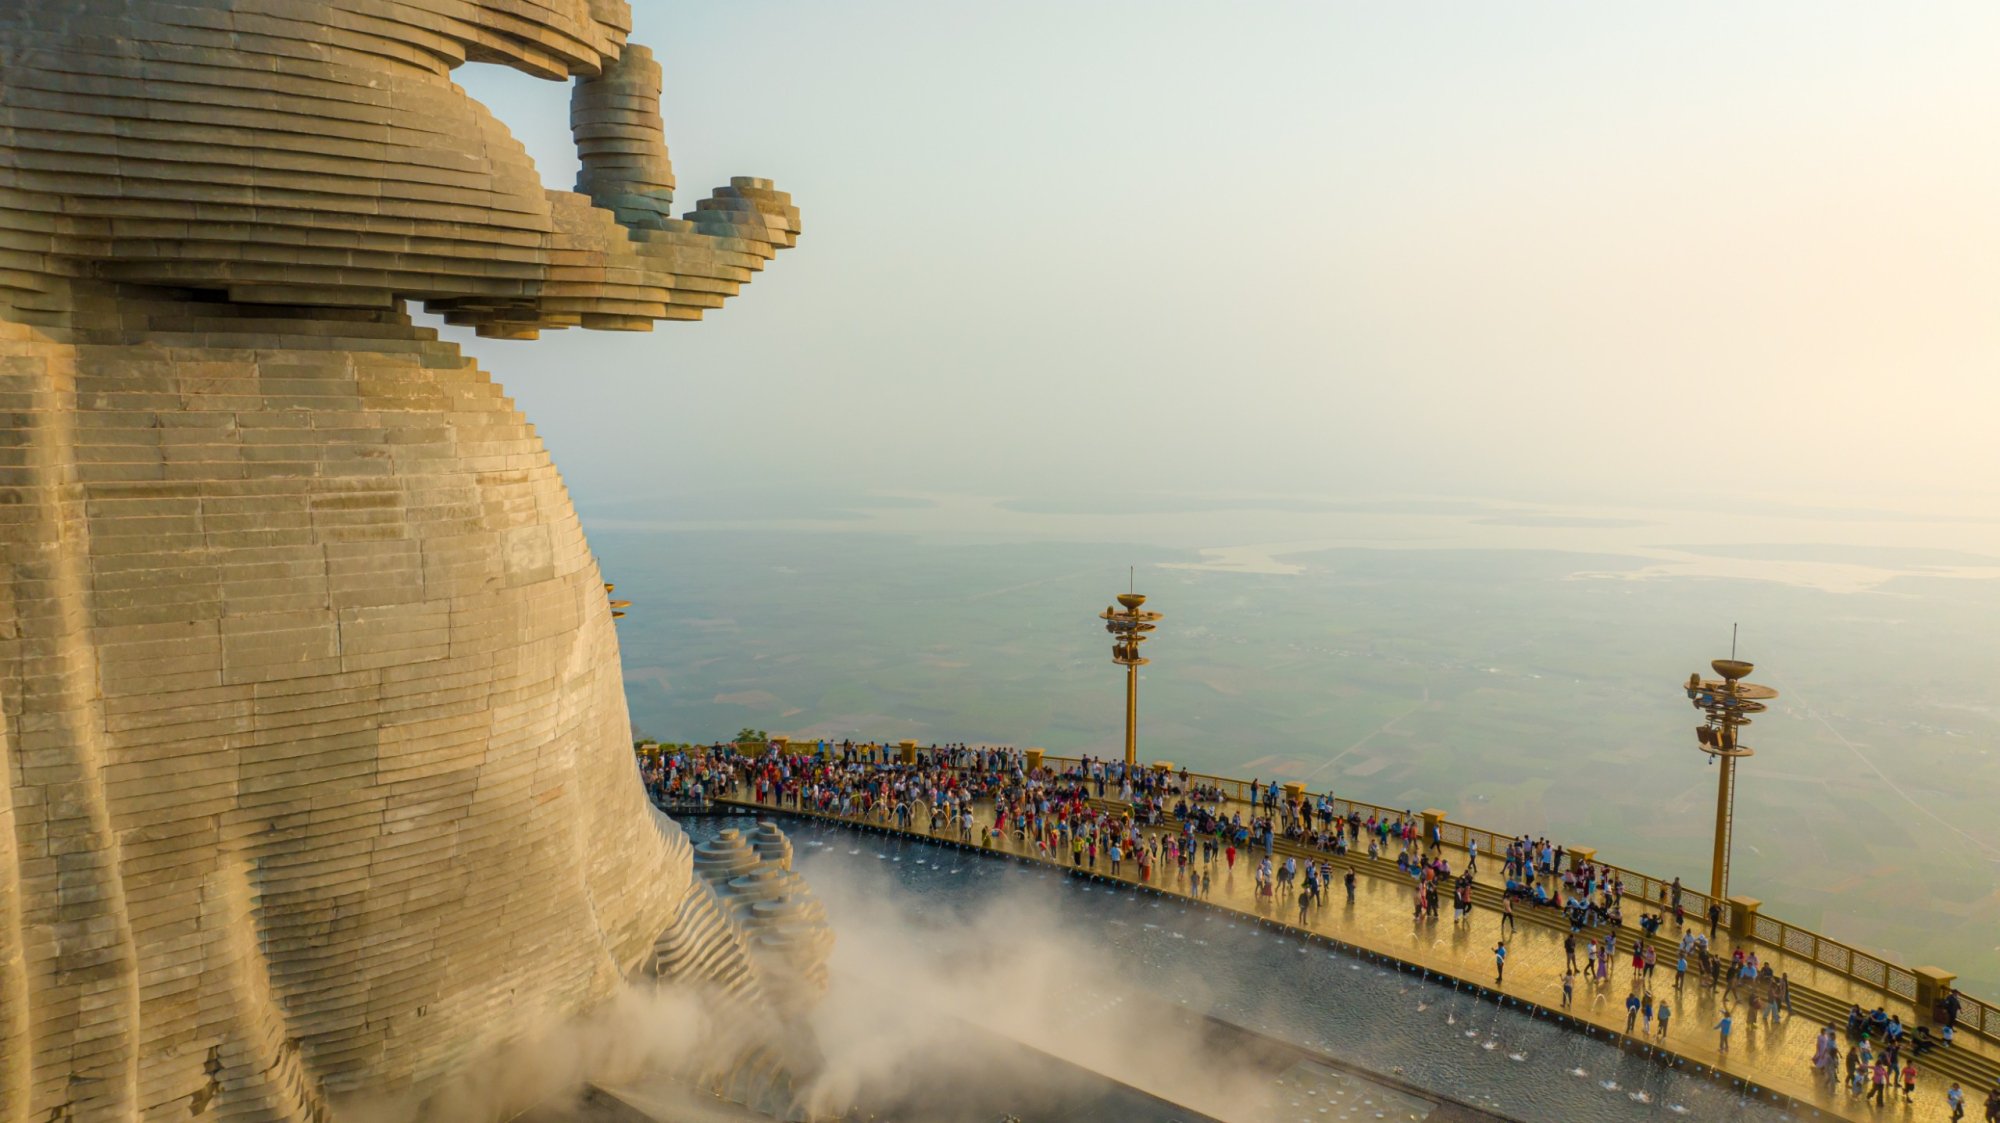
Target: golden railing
<point>1821,951</point>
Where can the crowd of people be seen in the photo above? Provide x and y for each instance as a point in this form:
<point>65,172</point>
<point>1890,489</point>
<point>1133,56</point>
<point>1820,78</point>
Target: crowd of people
<point>1174,830</point>
<point>676,776</point>
<point>1881,1057</point>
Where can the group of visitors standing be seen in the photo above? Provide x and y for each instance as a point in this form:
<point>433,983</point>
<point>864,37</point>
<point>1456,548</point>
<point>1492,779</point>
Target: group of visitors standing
<point>1177,832</point>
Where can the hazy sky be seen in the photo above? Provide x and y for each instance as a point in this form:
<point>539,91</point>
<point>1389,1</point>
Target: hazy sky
<point>1499,249</point>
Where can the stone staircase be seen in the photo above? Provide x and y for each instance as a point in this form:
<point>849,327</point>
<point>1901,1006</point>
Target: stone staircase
<point>750,927</point>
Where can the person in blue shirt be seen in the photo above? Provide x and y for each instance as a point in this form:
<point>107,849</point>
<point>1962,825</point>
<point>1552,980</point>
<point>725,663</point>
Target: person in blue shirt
<point>1724,1025</point>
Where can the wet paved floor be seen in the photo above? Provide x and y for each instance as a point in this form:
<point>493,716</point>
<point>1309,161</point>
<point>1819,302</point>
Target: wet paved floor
<point>1777,1057</point>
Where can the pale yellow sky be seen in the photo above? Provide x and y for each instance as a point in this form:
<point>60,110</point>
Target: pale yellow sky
<point>1527,249</point>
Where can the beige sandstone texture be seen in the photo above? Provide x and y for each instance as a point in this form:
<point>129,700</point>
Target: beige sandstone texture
<point>318,776</point>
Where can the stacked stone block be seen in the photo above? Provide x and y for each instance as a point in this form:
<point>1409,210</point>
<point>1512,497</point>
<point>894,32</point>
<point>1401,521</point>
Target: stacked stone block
<point>314,718</point>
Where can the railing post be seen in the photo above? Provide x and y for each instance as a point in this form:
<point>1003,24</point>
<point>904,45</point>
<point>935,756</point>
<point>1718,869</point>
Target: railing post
<point>1034,759</point>
<point>1294,790</point>
<point>909,749</point>
<point>1933,983</point>
<point>1743,917</point>
<point>1433,825</point>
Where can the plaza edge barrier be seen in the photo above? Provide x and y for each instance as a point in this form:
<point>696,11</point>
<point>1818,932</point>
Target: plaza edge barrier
<point>878,815</point>
<point>1842,959</point>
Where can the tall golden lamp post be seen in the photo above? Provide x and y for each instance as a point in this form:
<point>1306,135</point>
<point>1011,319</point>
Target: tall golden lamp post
<point>1128,626</point>
<point>1727,702</point>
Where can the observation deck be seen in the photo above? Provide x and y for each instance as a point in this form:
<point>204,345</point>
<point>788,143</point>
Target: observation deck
<point>1773,1059</point>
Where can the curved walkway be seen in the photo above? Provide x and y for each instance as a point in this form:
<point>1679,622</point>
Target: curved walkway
<point>1773,1057</point>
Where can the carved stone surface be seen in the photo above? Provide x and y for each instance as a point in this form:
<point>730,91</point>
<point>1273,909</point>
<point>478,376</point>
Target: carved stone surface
<point>318,770</point>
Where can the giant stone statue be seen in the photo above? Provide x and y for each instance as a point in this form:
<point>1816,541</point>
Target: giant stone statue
<point>317,767</point>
